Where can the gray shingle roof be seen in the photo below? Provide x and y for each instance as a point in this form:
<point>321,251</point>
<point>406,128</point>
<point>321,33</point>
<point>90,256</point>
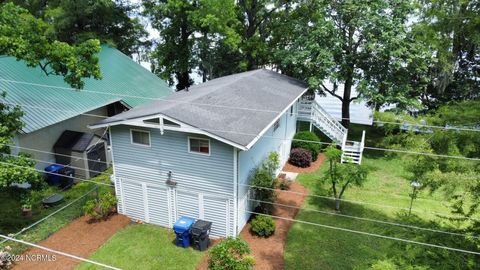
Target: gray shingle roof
<point>236,107</point>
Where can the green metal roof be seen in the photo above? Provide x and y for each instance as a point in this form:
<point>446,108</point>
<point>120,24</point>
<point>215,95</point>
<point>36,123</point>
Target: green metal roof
<point>47,100</point>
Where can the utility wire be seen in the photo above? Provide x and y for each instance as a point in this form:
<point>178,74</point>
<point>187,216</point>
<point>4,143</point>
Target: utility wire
<point>329,143</point>
<point>357,202</point>
<point>367,219</point>
<point>369,234</point>
<point>50,215</point>
<point>403,123</point>
<point>58,252</point>
<point>48,152</point>
<point>258,187</point>
<point>252,186</point>
<point>57,174</point>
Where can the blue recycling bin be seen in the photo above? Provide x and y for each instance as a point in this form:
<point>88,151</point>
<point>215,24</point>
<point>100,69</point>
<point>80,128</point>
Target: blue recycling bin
<point>182,230</point>
<point>52,174</point>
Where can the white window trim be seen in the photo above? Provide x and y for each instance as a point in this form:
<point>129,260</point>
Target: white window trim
<point>144,131</point>
<point>200,153</point>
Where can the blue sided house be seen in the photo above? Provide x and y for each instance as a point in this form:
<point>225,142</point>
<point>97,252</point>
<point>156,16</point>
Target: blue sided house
<point>191,153</point>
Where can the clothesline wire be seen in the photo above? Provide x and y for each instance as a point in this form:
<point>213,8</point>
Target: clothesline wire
<point>368,234</point>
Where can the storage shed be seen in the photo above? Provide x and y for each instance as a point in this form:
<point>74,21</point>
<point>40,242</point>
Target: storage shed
<point>85,152</point>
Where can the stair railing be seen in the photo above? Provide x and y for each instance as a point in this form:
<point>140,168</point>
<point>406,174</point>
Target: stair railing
<point>324,119</point>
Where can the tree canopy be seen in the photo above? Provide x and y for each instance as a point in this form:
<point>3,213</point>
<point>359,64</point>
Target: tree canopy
<point>30,39</point>
<point>110,21</point>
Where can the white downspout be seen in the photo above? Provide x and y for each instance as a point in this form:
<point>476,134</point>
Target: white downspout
<point>235,191</point>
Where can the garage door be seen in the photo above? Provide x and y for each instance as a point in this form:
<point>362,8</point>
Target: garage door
<point>158,205</point>
<point>216,210</point>
<point>133,204</point>
<point>164,205</point>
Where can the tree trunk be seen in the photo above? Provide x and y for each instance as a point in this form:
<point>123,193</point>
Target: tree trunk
<point>347,91</point>
<point>183,80</point>
<point>337,204</point>
<point>183,75</point>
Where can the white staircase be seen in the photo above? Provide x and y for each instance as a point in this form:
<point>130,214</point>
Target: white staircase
<point>311,111</point>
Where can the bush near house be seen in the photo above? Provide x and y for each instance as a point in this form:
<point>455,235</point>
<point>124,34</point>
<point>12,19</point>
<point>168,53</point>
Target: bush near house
<point>101,207</point>
<point>300,157</point>
<point>264,182</point>
<point>263,226</point>
<point>231,254</point>
<point>304,140</point>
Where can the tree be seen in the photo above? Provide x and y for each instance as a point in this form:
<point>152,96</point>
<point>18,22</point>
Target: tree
<point>109,21</point>
<point>13,169</point>
<point>187,28</point>
<point>457,179</point>
<point>452,30</point>
<point>30,39</point>
<point>349,42</point>
<point>342,175</point>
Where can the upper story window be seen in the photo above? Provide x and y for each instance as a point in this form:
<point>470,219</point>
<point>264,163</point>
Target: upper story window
<point>291,110</point>
<point>140,137</point>
<point>276,125</point>
<point>198,145</point>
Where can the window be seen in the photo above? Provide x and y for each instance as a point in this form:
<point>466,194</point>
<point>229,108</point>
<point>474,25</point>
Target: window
<point>140,137</point>
<point>291,111</point>
<point>276,125</point>
<point>197,145</point>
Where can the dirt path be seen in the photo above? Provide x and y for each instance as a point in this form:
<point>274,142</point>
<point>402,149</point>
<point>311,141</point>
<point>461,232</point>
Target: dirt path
<point>268,252</point>
<point>77,238</point>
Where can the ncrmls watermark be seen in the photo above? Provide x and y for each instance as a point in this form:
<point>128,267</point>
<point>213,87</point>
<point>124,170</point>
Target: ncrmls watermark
<point>29,257</point>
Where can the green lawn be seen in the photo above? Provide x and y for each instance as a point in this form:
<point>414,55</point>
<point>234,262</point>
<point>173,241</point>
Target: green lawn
<point>12,220</point>
<point>144,246</point>
<point>313,247</point>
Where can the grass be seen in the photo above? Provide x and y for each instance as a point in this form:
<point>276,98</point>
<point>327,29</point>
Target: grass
<point>313,247</point>
<point>144,246</point>
<point>12,220</point>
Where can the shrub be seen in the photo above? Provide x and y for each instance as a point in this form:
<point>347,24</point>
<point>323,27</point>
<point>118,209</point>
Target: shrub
<point>263,190</point>
<point>300,157</point>
<point>263,226</point>
<point>231,254</point>
<point>101,207</point>
<point>272,162</point>
<point>303,140</point>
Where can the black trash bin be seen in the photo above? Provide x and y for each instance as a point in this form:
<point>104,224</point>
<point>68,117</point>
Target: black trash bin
<point>200,232</point>
<point>68,175</point>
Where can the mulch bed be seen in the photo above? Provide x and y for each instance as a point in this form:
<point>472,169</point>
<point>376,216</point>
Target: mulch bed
<point>313,167</point>
<point>79,238</point>
<point>268,252</point>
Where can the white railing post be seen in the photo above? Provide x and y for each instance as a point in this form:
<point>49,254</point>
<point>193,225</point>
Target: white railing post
<point>362,144</point>
<point>344,140</point>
